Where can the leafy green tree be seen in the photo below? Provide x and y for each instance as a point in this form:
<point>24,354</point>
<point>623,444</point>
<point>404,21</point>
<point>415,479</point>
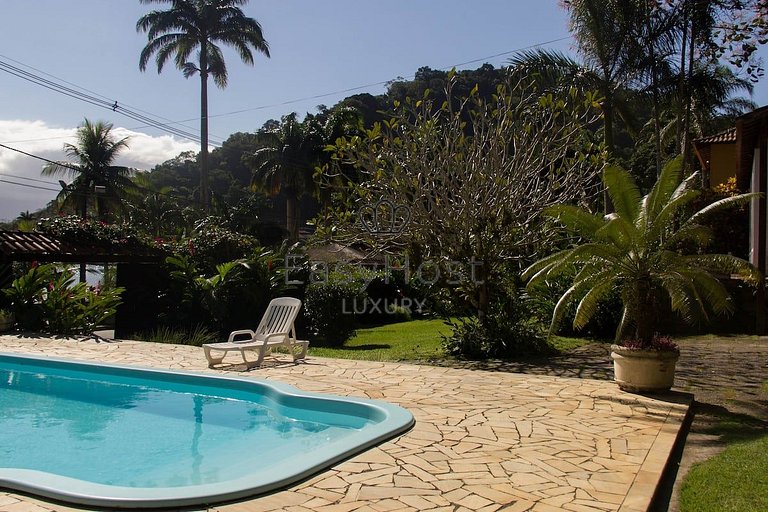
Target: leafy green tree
<point>639,251</point>
<point>97,181</point>
<point>200,25</point>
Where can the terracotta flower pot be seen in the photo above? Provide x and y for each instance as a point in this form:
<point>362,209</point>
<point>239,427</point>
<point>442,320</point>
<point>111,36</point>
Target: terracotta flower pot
<point>641,371</point>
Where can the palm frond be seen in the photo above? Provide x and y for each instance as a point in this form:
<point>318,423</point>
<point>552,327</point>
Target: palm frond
<point>588,305</point>
<point>624,193</point>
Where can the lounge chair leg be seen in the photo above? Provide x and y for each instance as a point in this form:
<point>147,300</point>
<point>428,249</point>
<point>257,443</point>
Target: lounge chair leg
<point>303,354</point>
<point>253,364</point>
<point>213,360</point>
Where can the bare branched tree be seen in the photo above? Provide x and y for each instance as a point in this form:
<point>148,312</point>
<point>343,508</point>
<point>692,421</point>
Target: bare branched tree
<point>468,180</point>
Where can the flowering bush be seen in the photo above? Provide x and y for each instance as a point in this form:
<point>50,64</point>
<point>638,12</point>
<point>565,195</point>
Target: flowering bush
<point>659,343</point>
<point>74,229</point>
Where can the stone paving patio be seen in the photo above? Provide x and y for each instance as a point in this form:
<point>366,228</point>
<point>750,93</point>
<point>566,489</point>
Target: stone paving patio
<point>483,441</point>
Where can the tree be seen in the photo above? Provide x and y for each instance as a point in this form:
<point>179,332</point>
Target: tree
<point>603,30</point>
<point>639,251</point>
<point>95,176</point>
<point>97,181</point>
<point>198,25</point>
<point>471,192</point>
<point>157,212</point>
<point>286,163</point>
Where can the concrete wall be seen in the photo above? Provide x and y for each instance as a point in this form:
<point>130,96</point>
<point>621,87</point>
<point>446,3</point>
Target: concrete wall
<point>722,163</point>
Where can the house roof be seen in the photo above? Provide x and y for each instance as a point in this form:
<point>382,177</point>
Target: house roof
<point>34,246</point>
<point>724,137</point>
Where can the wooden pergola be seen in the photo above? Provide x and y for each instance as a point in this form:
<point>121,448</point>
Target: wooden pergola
<point>136,264</point>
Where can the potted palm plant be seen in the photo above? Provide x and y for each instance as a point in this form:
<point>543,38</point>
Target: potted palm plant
<point>640,251</point>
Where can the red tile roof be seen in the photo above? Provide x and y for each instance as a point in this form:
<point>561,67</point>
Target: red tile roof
<point>724,137</point>
<point>34,246</point>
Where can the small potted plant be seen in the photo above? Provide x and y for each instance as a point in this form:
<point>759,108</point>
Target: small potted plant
<point>651,245</point>
<point>7,320</point>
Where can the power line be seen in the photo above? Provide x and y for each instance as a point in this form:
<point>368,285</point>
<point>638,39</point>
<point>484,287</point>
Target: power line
<point>170,121</point>
<point>383,82</point>
<point>30,186</point>
<point>62,164</point>
<point>166,126</point>
<point>98,102</point>
<point>49,182</point>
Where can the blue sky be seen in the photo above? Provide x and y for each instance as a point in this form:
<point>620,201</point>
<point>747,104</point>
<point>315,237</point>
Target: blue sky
<point>317,47</point>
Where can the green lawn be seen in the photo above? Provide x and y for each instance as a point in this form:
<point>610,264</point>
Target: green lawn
<point>417,340</point>
<point>405,341</point>
<point>735,480</point>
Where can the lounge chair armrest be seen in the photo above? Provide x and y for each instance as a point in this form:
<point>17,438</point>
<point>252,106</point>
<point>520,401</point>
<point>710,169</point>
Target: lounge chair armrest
<point>276,335</point>
<point>233,334</point>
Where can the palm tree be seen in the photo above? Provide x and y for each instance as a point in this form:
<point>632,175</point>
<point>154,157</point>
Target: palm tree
<point>714,100</point>
<point>96,179</point>
<point>553,71</point>
<point>638,251</point>
<point>604,30</point>
<point>286,163</point>
<point>198,25</point>
<point>157,212</point>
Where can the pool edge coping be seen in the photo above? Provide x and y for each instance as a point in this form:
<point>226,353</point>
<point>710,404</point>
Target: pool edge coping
<point>402,418</point>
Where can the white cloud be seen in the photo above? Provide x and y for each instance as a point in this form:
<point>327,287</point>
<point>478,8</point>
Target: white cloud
<point>36,137</point>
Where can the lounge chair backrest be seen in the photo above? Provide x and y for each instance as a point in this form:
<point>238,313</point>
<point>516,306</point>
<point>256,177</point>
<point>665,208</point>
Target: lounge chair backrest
<point>279,316</point>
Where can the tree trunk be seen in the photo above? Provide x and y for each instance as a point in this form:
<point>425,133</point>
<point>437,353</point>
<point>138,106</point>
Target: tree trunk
<point>685,150</point>
<point>655,99</point>
<point>204,192</point>
<point>644,313</point>
<point>84,216</point>
<point>682,85</point>
<point>608,140</point>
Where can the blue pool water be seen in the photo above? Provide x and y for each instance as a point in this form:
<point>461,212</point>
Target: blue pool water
<point>129,437</point>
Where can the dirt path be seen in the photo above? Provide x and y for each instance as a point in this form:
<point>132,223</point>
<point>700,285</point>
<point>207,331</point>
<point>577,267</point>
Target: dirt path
<point>727,375</point>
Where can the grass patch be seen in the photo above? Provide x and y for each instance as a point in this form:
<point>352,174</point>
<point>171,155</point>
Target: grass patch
<point>405,341</point>
<point>563,344</point>
<point>734,480</point>
<point>416,340</point>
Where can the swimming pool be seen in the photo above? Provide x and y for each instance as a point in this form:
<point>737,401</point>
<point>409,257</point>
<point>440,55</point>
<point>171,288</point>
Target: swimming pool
<point>130,437</point>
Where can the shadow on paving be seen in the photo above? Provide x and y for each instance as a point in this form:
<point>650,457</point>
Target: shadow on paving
<point>592,361</point>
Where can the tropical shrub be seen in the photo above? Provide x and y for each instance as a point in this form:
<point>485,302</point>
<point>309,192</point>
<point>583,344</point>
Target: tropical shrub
<point>49,299</point>
<point>508,331</point>
<point>332,303</point>
<point>233,297</point>
<point>643,251</point>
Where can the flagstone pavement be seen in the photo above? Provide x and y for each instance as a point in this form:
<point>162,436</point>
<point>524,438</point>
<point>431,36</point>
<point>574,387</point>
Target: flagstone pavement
<point>483,441</point>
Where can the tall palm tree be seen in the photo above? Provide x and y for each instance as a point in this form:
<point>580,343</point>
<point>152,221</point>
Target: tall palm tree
<point>603,30</point>
<point>198,25</point>
<point>285,163</point>
<point>97,181</point>
<point>639,251</point>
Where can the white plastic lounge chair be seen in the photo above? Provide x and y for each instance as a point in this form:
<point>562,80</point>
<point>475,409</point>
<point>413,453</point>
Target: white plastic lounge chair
<point>276,328</point>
